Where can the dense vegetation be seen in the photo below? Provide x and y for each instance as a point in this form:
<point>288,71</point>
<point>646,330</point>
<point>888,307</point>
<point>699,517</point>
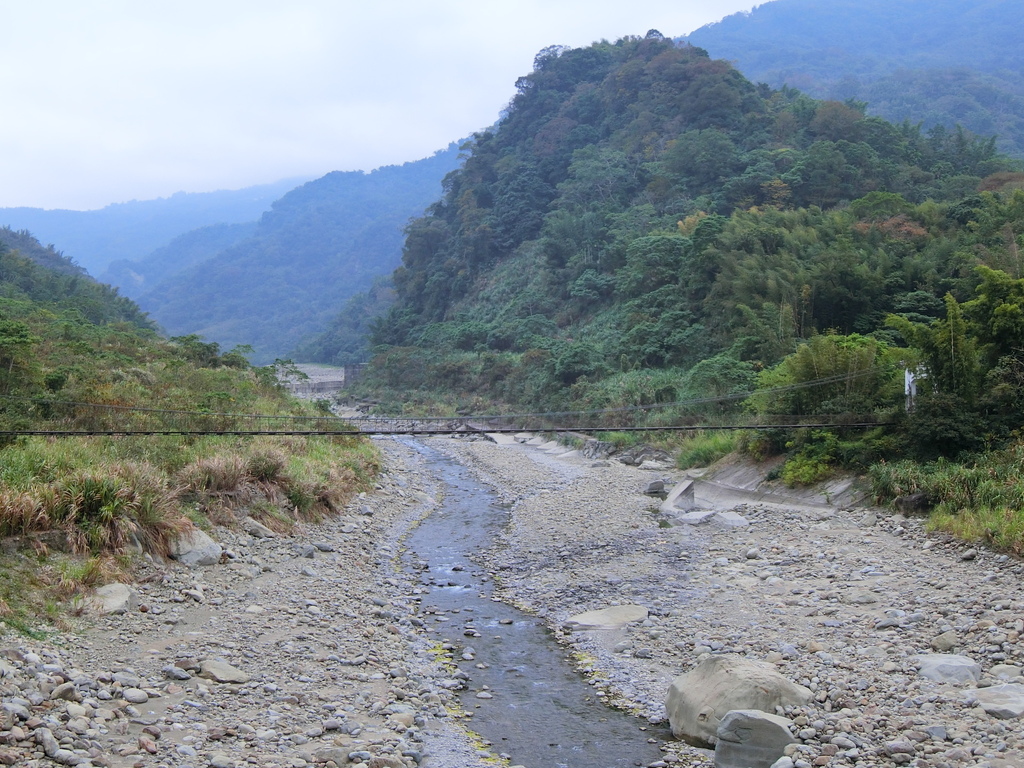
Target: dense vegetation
<point>936,63</point>
<point>66,340</point>
<point>645,227</point>
<point>319,245</point>
<point>345,341</point>
<point>642,206</point>
<point>58,285</point>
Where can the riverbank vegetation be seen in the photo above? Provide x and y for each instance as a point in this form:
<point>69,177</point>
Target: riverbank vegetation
<point>76,510</point>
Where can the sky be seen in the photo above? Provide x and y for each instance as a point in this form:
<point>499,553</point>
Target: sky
<point>114,100</point>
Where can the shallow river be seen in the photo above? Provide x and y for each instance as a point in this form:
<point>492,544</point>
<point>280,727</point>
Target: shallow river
<point>526,698</point>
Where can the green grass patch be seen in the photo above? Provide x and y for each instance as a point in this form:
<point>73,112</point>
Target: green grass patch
<point>703,448</point>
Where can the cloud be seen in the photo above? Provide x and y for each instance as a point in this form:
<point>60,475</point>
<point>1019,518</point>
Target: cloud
<point>108,101</point>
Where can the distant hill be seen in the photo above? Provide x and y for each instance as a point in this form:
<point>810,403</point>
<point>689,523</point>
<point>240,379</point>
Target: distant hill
<point>137,277</point>
<point>134,229</point>
<point>315,248</point>
<point>941,62</point>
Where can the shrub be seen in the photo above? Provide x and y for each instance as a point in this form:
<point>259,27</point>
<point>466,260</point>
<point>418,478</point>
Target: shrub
<point>266,466</point>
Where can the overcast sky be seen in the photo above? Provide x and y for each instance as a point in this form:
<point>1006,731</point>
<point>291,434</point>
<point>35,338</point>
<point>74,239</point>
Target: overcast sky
<point>108,101</point>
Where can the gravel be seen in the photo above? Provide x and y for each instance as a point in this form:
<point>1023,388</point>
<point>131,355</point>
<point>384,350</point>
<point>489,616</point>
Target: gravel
<point>323,628</point>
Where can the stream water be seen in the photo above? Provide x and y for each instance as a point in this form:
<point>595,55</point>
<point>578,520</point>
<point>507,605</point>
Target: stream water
<point>526,698</point>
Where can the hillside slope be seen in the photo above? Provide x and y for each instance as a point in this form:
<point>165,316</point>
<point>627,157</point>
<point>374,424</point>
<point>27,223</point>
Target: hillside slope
<point>645,208</point>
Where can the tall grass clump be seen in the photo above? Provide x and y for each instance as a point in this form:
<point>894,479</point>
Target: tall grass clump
<point>977,500</point>
<point>703,448</point>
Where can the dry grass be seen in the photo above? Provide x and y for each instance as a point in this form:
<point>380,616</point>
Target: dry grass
<point>103,501</point>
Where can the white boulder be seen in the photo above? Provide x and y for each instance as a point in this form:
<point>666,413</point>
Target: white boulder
<point>698,700</point>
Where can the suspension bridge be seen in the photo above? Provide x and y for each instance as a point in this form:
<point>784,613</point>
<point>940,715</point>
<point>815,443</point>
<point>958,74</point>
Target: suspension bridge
<point>56,418</point>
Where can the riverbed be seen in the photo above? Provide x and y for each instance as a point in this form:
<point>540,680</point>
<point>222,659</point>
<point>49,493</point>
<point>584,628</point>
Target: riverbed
<point>336,635</point>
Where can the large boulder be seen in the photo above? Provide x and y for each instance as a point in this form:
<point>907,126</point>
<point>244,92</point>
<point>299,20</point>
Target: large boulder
<point>194,548</point>
<point>750,738</point>
<point>948,668</point>
<point>1003,701</point>
<point>698,700</point>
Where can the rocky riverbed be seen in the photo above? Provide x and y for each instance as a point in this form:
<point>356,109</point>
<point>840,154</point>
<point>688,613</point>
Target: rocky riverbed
<point>312,650</point>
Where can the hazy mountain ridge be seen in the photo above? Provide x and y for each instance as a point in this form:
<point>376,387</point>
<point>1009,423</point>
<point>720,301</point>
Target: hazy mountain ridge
<point>136,277</point>
<point>936,63</point>
<point>132,230</point>
<point>318,245</point>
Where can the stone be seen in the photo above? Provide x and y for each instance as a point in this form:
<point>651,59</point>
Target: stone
<point>115,599</point>
<point>912,503</point>
<point>655,487</point>
<point>195,548</point>
<point>135,695</point>
<point>46,740</point>
<point>221,672</point>
<point>948,668</point>
<point>695,517</point>
<point>385,761</point>
<point>336,755</point>
<point>860,597</point>
<point>67,692</point>
<point>947,641</point>
<point>699,699</point>
<point>256,529</point>
<point>729,520</point>
<point>750,738</point>
<point>607,618</point>
<point>1004,701</point>
<point>172,672</point>
<point>1006,672</point>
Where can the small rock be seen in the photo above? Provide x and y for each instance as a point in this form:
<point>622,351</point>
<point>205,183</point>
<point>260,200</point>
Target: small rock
<point>947,641</point>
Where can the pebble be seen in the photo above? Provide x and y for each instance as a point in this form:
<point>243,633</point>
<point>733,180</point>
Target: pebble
<point>339,670</point>
<point>839,599</point>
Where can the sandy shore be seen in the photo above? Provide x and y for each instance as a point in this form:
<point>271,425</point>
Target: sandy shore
<point>324,628</point>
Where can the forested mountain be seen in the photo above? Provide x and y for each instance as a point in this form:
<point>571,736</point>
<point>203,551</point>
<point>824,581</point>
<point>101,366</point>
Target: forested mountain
<point>936,63</point>
<point>642,208</point>
<point>317,246</point>
<point>134,229</point>
<point>345,340</point>
<point>136,277</point>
